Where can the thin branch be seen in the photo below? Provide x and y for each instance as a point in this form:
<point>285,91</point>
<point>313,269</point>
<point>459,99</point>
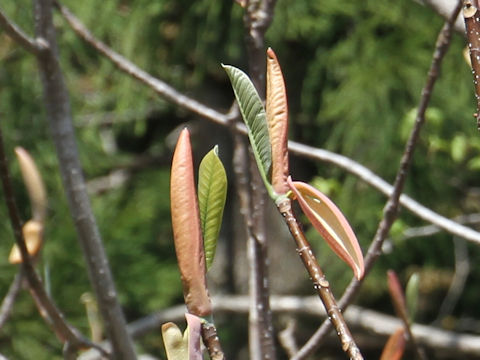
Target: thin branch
<point>392,207</point>
<point>20,37</point>
<point>430,230</point>
<point>47,308</point>
<point>376,323</point>
<point>462,269</point>
<point>59,114</point>
<point>286,337</point>
<point>9,299</point>
<point>316,154</point>
<point>131,69</point>
<point>381,185</point>
<point>320,283</point>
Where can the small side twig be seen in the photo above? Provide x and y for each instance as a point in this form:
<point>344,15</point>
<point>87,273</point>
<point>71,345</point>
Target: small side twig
<point>391,209</point>
<point>286,337</point>
<point>19,36</point>
<point>9,299</point>
<point>462,269</point>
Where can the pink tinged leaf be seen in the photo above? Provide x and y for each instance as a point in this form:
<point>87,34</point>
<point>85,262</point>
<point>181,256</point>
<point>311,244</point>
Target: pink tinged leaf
<point>395,346</point>
<point>187,231</point>
<point>397,294</point>
<point>277,118</point>
<point>329,221</point>
<point>194,335</point>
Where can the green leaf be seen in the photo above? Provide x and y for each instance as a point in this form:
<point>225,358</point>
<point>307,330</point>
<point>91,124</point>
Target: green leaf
<point>411,293</point>
<point>212,192</point>
<point>253,114</point>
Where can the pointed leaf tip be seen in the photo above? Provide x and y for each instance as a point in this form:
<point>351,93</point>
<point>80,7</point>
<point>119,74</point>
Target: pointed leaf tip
<point>186,228</point>
<point>212,193</point>
<point>329,221</point>
<point>277,118</point>
<point>253,114</point>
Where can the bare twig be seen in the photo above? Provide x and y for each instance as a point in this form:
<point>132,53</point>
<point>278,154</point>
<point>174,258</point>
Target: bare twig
<point>131,69</point>
<point>381,185</point>
<point>320,283</point>
<point>47,307</point>
<point>286,337</point>
<point>9,299</point>
<point>462,269</point>
<point>392,207</point>
<point>59,114</point>
<point>429,230</point>
<point>19,36</point>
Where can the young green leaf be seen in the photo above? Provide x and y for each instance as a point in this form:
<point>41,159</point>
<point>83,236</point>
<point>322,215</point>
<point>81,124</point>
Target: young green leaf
<point>253,114</point>
<point>277,118</point>
<point>212,192</point>
<point>411,293</point>
<point>187,231</point>
<point>329,221</point>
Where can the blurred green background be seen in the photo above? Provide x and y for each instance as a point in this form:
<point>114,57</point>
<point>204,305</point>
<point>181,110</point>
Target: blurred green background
<point>354,72</point>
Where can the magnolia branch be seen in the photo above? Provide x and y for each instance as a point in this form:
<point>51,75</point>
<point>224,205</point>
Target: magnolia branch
<point>347,164</point>
<point>392,207</point>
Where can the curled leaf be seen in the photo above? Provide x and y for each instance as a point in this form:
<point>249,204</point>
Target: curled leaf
<point>277,118</point>
<point>329,221</point>
<point>395,346</point>
<point>187,230</point>
<point>194,328</point>
<point>186,346</point>
<point>212,192</point>
<point>254,117</point>
<point>33,235</point>
<point>176,343</point>
<point>34,184</point>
